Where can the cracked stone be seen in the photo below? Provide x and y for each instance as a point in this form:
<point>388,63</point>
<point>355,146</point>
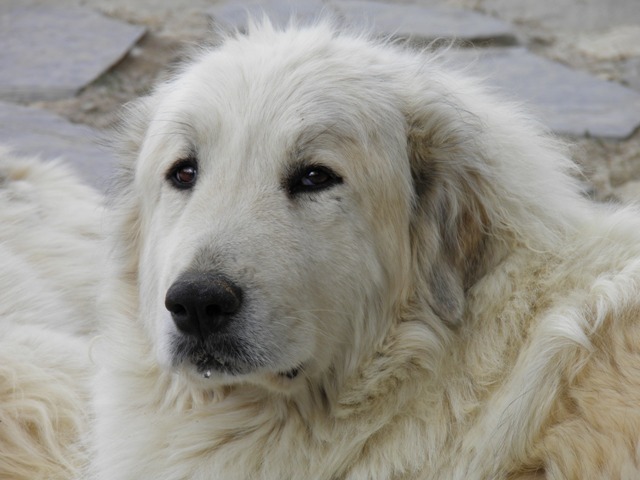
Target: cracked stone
<point>414,22</point>
<point>235,15</point>
<point>568,101</point>
<point>51,52</point>
<point>424,24</point>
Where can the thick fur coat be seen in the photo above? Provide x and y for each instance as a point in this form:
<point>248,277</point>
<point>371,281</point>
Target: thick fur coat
<point>51,259</point>
<point>400,277</point>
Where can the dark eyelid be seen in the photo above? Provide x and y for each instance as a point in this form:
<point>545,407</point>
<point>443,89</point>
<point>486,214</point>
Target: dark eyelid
<point>187,160</point>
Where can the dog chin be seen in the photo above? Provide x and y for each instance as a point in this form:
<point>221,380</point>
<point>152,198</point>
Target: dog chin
<point>228,364</point>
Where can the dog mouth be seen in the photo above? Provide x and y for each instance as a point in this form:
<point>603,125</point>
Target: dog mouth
<point>207,362</point>
<point>206,372</point>
<point>206,369</point>
<point>228,357</point>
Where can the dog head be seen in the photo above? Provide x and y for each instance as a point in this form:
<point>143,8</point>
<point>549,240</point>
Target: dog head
<point>292,192</point>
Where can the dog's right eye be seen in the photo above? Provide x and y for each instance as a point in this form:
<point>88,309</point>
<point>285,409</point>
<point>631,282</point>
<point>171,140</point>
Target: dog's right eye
<point>183,174</point>
<point>312,178</point>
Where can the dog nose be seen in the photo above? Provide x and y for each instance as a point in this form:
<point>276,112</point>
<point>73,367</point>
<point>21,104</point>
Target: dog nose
<point>202,304</point>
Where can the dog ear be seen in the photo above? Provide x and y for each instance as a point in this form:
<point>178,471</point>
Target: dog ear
<point>449,228</point>
<point>132,128</point>
<point>123,202</point>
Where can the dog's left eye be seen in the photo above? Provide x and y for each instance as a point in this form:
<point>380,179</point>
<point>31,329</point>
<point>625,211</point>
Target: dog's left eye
<point>312,178</point>
<point>183,174</point>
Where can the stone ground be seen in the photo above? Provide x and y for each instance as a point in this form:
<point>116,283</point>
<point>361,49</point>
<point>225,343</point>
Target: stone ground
<point>593,101</point>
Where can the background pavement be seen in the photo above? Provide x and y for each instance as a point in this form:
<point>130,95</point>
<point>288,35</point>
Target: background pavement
<point>66,66</point>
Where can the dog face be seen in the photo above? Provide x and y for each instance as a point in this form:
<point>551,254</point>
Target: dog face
<point>275,196</point>
<point>294,198</point>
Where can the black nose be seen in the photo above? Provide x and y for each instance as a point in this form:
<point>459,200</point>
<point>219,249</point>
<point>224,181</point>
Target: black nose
<point>202,303</point>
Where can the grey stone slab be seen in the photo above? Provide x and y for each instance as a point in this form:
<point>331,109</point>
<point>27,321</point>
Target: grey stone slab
<point>563,16</point>
<point>52,52</point>
<point>414,22</point>
<point>422,24</point>
<point>568,101</point>
<point>236,14</point>
<point>32,131</point>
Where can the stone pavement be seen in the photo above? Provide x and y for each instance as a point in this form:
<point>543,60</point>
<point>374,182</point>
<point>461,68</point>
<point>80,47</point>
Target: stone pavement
<point>567,101</point>
<point>423,25</point>
<point>53,52</point>
<point>50,53</point>
<point>33,131</point>
<point>419,24</point>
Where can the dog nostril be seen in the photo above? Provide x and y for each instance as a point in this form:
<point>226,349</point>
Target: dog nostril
<point>180,314</point>
<point>177,309</point>
<point>227,302</point>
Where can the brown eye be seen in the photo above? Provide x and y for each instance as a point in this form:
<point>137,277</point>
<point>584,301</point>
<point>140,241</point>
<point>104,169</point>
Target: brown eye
<point>183,175</point>
<point>186,175</point>
<point>311,179</point>
<point>315,178</point>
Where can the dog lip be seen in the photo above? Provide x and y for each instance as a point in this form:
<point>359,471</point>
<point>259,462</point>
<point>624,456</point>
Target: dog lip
<point>225,358</point>
<point>206,361</point>
<point>223,355</point>
<point>209,362</point>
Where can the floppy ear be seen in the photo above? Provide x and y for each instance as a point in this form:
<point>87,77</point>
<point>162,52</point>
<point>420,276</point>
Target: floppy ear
<point>131,129</point>
<point>450,225</point>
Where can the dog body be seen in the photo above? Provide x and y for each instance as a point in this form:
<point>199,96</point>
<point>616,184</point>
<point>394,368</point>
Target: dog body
<point>408,283</point>
<point>540,382</point>
<point>338,259</point>
<point>51,263</point>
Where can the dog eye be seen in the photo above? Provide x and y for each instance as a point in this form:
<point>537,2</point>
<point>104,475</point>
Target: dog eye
<point>315,178</point>
<point>183,174</point>
<point>312,178</point>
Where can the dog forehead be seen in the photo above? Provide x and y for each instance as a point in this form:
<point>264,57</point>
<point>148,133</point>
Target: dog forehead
<point>282,77</point>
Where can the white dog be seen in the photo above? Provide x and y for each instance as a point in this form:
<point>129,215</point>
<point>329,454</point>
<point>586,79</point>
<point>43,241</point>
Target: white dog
<point>336,259</point>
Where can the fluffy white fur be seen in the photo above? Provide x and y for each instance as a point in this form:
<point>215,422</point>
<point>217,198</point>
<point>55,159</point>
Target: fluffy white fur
<point>458,309</point>
<point>50,250</point>
<point>453,308</point>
